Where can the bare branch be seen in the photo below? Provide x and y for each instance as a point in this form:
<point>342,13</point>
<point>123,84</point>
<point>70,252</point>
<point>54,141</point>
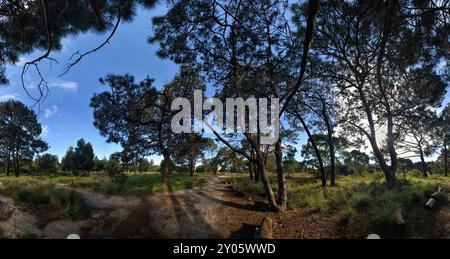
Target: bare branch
<point>81,56</point>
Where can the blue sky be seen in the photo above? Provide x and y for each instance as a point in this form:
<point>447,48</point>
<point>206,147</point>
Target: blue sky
<point>66,115</point>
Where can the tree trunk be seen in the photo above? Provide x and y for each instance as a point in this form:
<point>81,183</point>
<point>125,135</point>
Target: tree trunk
<point>192,168</point>
<point>389,171</point>
<point>8,163</point>
<point>424,164</point>
<point>316,151</point>
<point>257,175</point>
<point>445,157</point>
<point>331,147</point>
<point>250,170</point>
<point>166,170</point>
<point>255,168</point>
<point>282,190</point>
<point>16,163</point>
<point>267,186</point>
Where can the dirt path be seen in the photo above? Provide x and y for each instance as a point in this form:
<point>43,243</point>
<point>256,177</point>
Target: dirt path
<point>210,211</point>
<point>444,218</point>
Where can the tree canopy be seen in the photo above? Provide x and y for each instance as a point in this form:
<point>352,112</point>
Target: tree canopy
<point>79,160</point>
<point>20,135</point>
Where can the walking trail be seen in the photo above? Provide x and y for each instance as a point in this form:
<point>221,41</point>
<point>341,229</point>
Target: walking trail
<point>213,210</point>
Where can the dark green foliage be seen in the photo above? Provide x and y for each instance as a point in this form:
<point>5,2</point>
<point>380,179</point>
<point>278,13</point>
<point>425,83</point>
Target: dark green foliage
<point>191,149</point>
<point>79,160</point>
<point>99,165</point>
<point>20,135</point>
<point>138,116</point>
<point>114,169</point>
<point>321,141</point>
<point>47,164</point>
<point>355,162</point>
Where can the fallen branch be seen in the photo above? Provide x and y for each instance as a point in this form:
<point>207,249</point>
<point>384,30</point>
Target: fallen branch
<point>433,199</point>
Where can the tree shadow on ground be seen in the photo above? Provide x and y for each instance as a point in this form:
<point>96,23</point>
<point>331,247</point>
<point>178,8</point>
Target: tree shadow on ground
<point>190,221</point>
<point>247,231</point>
<point>256,207</point>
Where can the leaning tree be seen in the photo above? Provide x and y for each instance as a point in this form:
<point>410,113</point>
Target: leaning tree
<point>246,49</point>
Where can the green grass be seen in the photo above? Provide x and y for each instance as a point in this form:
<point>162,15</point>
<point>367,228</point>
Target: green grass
<point>136,184</point>
<point>362,199</point>
<point>42,194</point>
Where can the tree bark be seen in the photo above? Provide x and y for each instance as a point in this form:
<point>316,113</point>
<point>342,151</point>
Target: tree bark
<point>445,157</point>
<point>8,163</point>
<point>391,136</point>
<point>16,160</point>
<point>257,175</point>
<point>267,186</point>
<point>17,164</point>
<point>424,164</point>
<point>192,168</point>
<point>389,172</point>
<point>250,170</point>
<point>330,134</point>
<point>166,170</point>
<point>282,190</point>
<point>255,167</point>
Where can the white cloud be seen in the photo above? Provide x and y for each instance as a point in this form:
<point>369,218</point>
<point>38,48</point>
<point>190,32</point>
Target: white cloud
<point>50,112</point>
<point>67,45</point>
<point>64,85</point>
<point>8,97</point>
<point>45,131</point>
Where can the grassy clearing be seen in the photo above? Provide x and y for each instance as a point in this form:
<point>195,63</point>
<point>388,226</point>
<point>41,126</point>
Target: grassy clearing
<point>42,194</point>
<point>136,184</point>
<point>362,200</point>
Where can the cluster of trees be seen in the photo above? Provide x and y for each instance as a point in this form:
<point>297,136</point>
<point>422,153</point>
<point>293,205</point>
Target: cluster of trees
<point>372,72</point>
<point>20,136</point>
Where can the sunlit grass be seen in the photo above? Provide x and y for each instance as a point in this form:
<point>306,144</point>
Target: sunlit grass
<point>136,184</point>
<point>43,194</point>
<point>364,199</point>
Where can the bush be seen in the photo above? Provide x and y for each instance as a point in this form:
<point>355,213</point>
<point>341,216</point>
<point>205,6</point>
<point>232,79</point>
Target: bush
<point>415,173</point>
<point>115,170</point>
<point>44,195</point>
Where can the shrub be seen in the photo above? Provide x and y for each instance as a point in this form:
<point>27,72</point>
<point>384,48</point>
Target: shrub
<point>415,173</point>
<point>115,170</point>
<point>41,194</point>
